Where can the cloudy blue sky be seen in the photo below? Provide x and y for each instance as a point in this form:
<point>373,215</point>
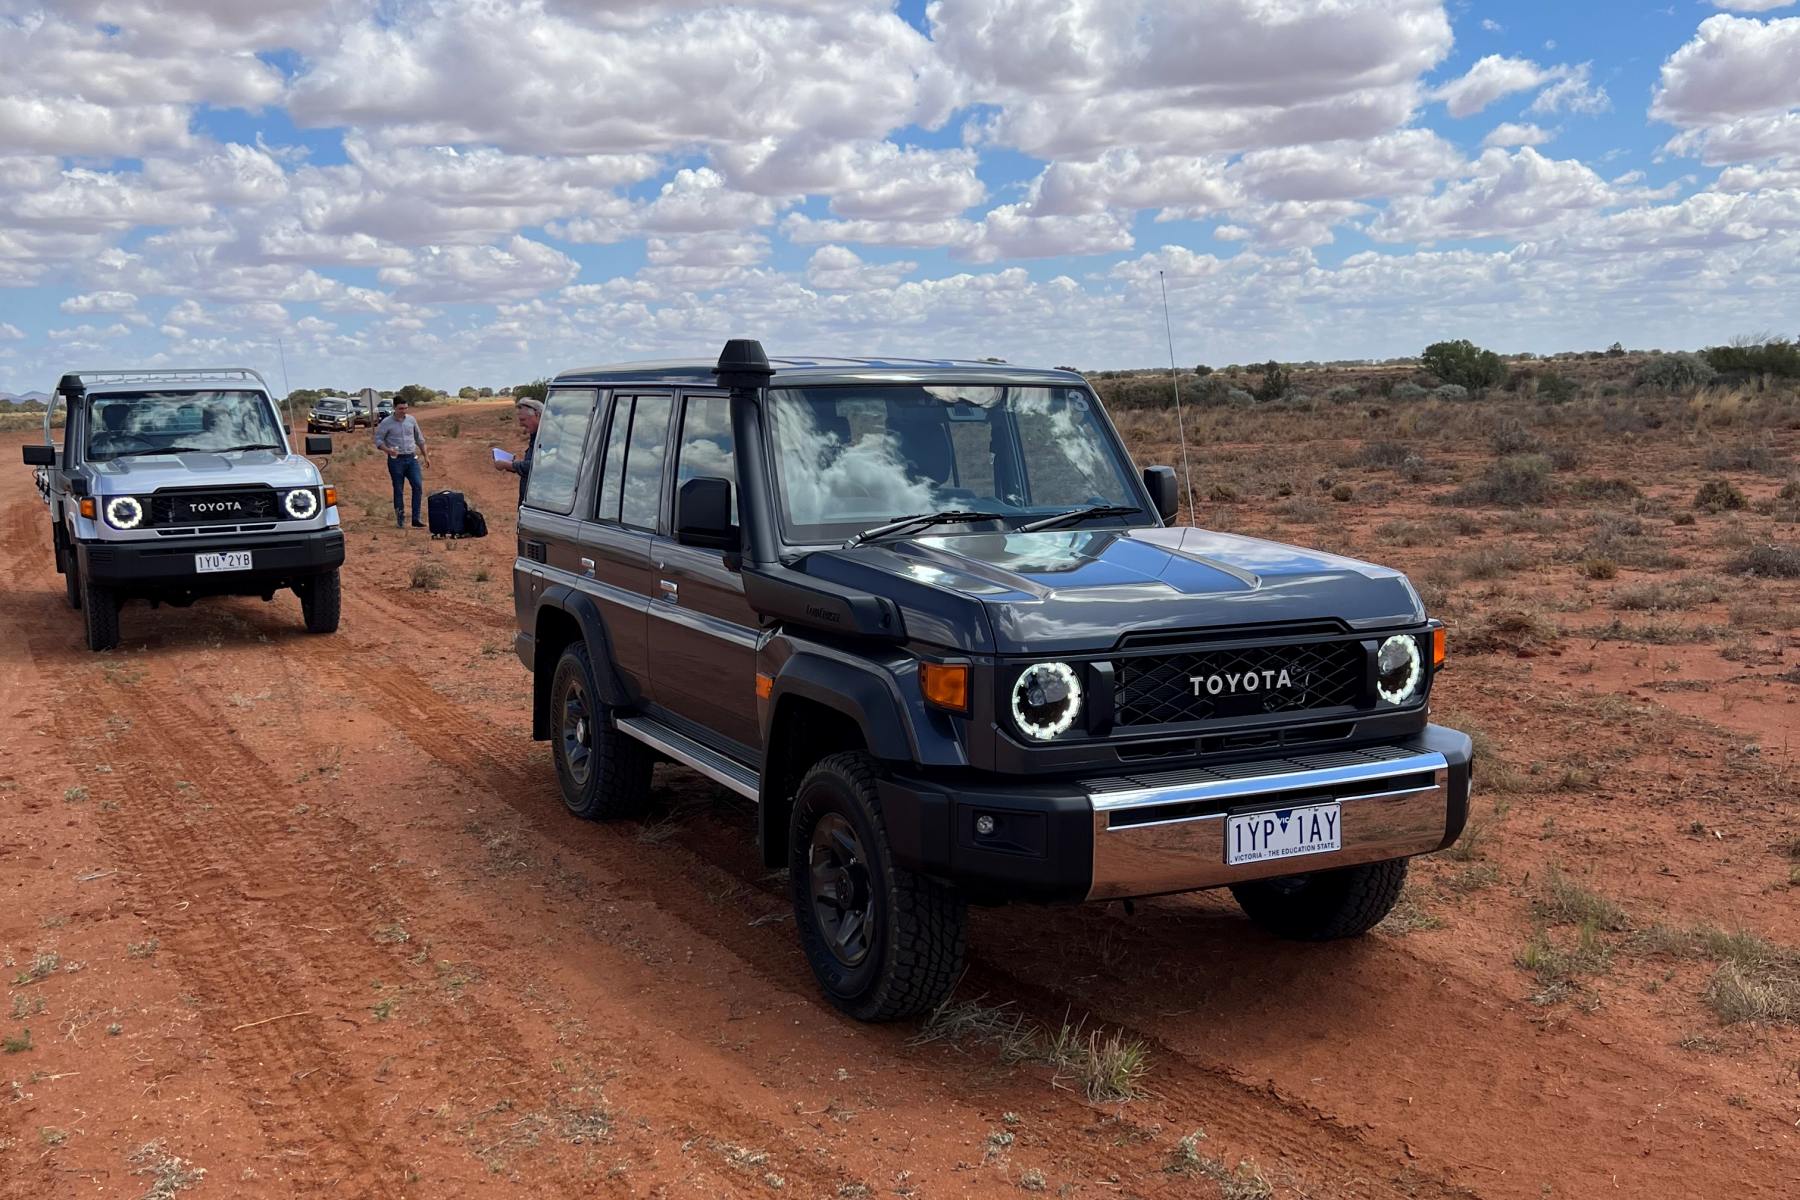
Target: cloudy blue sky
<point>470,191</point>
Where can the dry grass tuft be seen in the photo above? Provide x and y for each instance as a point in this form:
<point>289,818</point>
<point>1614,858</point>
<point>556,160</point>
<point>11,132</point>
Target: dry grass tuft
<point>1511,632</point>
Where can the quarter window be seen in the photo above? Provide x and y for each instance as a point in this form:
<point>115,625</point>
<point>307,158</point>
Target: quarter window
<point>613,465</point>
<point>556,458</point>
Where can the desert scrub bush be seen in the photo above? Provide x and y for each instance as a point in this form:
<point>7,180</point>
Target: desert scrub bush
<point>1450,391</point>
<point>1513,482</point>
<point>1679,372</point>
<point>1654,597</point>
<point>1744,456</point>
<point>1761,355</point>
<point>1343,393</point>
<point>1512,632</point>
<point>1598,567</point>
<point>1718,495</point>
<point>428,576</point>
<point>1512,437</point>
<point>1603,490</point>
<point>1557,389</point>
<point>1380,454</point>
<point>1769,560</point>
<point>1491,562</point>
<point>1407,390</point>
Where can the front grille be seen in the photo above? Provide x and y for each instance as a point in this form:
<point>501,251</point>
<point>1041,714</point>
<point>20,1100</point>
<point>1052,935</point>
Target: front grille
<point>1239,682</point>
<point>233,507</point>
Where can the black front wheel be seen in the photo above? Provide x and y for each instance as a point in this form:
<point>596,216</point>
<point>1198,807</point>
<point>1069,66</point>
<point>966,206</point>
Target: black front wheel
<point>71,573</point>
<point>321,599</point>
<point>884,942</point>
<point>100,615</point>
<point>603,774</point>
<point>1327,905</point>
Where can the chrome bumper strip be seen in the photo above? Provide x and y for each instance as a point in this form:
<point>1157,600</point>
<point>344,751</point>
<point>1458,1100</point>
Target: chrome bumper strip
<point>1394,804</point>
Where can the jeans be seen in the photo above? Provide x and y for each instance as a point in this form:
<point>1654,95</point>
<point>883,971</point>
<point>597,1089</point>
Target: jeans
<point>401,470</point>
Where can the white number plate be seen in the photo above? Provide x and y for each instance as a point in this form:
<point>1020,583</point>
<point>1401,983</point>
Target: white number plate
<point>1283,833</point>
<point>229,560</point>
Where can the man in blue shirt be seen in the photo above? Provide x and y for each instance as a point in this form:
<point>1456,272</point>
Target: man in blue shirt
<point>398,436</point>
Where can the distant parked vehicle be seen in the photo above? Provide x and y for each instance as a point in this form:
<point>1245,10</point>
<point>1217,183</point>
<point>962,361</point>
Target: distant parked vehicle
<point>333,414</point>
<point>172,485</point>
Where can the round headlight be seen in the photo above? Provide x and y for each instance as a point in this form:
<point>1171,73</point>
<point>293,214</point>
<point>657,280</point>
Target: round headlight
<point>1398,669</point>
<point>301,503</point>
<point>124,512</point>
<point>1046,699</point>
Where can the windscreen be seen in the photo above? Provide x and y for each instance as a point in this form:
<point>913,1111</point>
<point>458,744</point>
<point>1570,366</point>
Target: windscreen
<point>132,424</point>
<point>848,458</point>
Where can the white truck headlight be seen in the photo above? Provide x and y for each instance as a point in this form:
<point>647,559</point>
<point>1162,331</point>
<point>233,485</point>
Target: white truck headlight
<point>1046,699</point>
<point>1399,668</point>
<point>301,503</point>
<point>124,512</point>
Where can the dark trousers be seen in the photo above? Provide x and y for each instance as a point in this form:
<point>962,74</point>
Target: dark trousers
<point>402,469</point>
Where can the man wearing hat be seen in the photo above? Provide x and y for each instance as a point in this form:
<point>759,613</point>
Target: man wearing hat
<point>530,413</point>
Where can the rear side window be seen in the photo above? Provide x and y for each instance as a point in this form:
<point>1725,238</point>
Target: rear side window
<point>649,444</point>
<point>706,448</point>
<point>632,469</point>
<point>556,458</point>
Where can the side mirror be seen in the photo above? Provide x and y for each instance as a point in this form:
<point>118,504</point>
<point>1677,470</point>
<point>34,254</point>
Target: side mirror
<point>1160,482</point>
<point>318,443</point>
<point>38,455</point>
<point>703,514</point>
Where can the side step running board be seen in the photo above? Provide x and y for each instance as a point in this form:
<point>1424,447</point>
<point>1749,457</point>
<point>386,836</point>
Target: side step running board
<point>688,752</point>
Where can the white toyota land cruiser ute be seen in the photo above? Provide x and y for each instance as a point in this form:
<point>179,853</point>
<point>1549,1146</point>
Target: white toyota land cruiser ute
<point>172,485</point>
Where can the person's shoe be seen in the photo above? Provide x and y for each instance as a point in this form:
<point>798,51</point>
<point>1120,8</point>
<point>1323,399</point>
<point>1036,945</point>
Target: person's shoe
<point>418,524</point>
<point>399,521</point>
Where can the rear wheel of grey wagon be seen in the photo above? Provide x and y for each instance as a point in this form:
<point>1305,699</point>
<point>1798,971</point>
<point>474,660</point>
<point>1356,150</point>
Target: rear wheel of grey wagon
<point>1324,906</point>
<point>884,942</point>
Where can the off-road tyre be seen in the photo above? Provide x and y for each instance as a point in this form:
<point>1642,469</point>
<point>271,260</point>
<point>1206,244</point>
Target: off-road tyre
<point>918,925</point>
<point>603,774</point>
<point>100,616</point>
<point>71,572</point>
<point>321,601</point>
<point>1325,906</point>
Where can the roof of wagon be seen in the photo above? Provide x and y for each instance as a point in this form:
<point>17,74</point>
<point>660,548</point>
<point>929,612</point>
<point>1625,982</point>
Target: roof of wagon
<point>799,372</point>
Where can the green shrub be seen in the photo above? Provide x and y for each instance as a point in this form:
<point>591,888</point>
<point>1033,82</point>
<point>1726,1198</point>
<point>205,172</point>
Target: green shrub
<point>1408,390</point>
<point>1511,437</point>
<point>1558,389</point>
<point>1756,356</point>
<point>1463,363</point>
<point>1679,372</point>
<point>1343,393</point>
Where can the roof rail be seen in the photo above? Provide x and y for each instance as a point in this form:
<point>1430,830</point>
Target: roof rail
<point>189,375</point>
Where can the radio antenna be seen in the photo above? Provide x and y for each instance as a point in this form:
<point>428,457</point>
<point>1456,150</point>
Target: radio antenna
<point>1187,472</point>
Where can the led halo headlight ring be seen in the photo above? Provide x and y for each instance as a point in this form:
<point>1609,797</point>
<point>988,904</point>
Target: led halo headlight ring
<point>1046,699</point>
<point>124,512</point>
<point>301,504</point>
<point>1398,668</point>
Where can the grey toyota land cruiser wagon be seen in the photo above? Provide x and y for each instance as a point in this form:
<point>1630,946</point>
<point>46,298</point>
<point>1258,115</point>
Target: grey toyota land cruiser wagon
<point>928,617</point>
<point>172,485</point>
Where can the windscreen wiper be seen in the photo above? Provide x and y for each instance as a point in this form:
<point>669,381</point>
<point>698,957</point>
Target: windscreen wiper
<point>937,518</point>
<point>195,449</point>
<point>1078,514</point>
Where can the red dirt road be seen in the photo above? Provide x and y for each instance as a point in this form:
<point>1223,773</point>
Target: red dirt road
<point>308,914</point>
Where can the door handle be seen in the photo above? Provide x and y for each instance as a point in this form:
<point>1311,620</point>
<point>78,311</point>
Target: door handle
<point>587,567</point>
<point>671,591</point>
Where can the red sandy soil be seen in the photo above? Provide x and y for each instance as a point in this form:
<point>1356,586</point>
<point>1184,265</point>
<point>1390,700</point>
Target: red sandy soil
<point>307,913</point>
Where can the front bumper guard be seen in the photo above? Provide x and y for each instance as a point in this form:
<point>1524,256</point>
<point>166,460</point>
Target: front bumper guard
<point>1161,833</point>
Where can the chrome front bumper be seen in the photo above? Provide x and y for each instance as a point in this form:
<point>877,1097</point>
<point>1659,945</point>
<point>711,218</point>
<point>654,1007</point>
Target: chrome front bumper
<point>1165,832</point>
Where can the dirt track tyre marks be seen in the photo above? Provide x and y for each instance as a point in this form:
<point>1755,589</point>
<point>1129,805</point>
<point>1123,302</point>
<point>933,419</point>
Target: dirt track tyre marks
<point>1253,1118</point>
<point>242,869</point>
